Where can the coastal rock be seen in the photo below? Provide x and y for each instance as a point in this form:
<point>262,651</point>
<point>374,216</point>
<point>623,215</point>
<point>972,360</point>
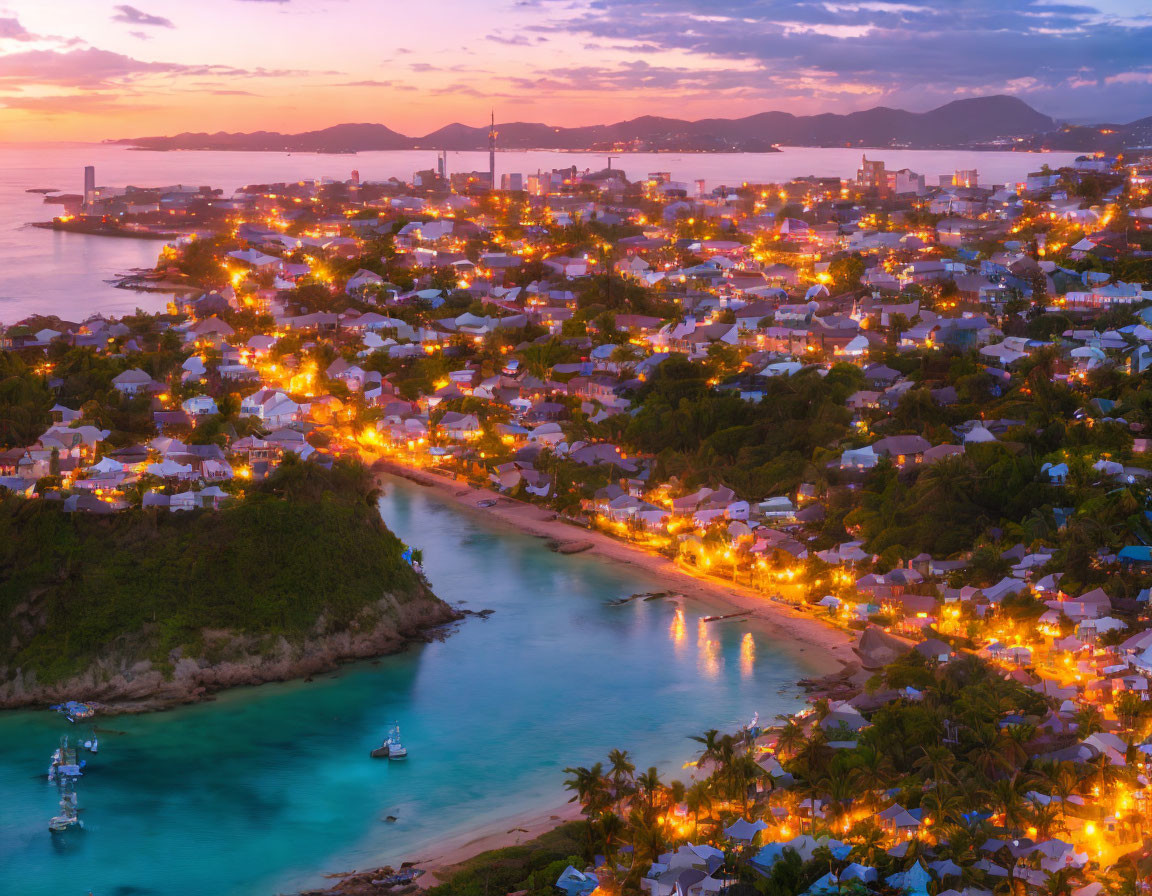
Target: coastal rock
<point>878,648</point>
<point>120,682</point>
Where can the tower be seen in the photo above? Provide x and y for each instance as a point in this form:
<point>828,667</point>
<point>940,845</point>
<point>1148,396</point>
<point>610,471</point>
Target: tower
<point>492,151</point>
<point>89,185</point>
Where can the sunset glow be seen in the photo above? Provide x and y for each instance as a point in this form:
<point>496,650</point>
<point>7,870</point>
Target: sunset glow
<point>76,69</point>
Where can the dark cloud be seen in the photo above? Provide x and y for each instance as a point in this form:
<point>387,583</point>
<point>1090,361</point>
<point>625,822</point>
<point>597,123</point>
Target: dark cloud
<point>133,16</point>
<point>893,50</point>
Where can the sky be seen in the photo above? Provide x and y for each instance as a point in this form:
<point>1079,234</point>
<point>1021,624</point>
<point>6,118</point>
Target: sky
<point>95,70</point>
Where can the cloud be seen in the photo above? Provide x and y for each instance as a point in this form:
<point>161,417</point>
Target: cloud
<point>516,40</point>
<point>92,68</point>
<point>62,106</point>
<point>133,16</point>
<point>11,29</point>
<point>88,68</point>
<point>368,83</point>
<point>906,51</point>
<point>140,35</point>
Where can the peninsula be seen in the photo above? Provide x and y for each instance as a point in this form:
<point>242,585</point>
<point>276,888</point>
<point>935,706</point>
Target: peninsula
<point>147,608</point>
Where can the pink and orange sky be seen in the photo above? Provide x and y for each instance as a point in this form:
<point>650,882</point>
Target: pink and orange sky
<point>91,70</point>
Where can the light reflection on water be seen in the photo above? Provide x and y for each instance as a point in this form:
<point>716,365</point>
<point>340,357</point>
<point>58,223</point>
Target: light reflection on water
<point>264,789</point>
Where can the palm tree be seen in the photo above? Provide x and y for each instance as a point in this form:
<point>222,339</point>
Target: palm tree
<point>648,784</point>
<point>936,764</point>
<point>709,740</point>
<point>620,772</point>
<point>590,788</point>
<point>699,799</point>
<point>790,738</point>
<point>1089,720</point>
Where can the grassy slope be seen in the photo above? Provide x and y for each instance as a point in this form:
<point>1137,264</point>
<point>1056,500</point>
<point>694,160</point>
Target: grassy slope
<point>307,544</point>
<point>532,866</point>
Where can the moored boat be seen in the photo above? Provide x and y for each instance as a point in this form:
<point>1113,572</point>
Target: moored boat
<point>392,748</point>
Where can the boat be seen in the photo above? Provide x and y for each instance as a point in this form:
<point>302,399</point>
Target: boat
<point>68,816</point>
<point>75,711</point>
<point>92,744</point>
<point>398,750</point>
<point>64,763</point>
<point>392,748</point>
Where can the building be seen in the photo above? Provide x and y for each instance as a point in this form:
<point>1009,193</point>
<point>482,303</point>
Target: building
<point>89,185</point>
<point>906,181</point>
<point>513,183</point>
<point>966,177</point>
<point>871,175</point>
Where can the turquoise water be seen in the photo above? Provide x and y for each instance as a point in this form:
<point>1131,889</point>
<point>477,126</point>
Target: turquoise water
<point>264,789</point>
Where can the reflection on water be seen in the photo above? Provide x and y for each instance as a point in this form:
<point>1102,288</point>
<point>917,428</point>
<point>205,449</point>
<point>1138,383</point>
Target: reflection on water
<point>709,660</point>
<point>274,784</point>
<point>747,655</point>
<point>677,630</point>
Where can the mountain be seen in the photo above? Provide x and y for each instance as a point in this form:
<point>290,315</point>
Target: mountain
<point>339,138</point>
<point>980,120</point>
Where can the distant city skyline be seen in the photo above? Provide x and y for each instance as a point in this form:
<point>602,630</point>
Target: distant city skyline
<point>84,70</point>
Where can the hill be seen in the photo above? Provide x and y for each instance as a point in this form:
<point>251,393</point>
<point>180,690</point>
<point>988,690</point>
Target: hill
<point>148,605</point>
<point>961,123</point>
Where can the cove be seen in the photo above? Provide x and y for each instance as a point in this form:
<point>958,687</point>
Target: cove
<point>264,789</point>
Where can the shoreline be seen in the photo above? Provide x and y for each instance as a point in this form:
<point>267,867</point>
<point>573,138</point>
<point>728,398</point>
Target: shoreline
<point>833,646</point>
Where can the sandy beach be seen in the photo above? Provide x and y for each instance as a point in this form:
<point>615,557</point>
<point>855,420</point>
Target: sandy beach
<point>827,648</point>
<point>497,835</point>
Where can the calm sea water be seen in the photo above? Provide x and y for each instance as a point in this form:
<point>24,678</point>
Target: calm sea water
<point>266,788</point>
<point>42,272</point>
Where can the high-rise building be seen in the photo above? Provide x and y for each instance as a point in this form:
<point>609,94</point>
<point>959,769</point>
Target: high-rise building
<point>512,182</point>
<point>355,177</point>
<point>89,185</point>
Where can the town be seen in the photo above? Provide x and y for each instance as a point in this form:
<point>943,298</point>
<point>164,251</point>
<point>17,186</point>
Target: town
<point>912,407</point>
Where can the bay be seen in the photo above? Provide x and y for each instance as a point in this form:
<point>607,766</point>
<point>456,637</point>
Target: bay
<point>264,788</point>
<point>44,272</point>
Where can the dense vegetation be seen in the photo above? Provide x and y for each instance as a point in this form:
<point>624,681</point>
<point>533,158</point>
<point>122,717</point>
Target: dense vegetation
<point>532,867</point>
<point>965,748</point>
<point>306,549</point>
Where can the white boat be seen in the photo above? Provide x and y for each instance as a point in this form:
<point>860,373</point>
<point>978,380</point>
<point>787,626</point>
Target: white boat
<point>391,748</point>
<point>92,745</point>
<point>396,750</point>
